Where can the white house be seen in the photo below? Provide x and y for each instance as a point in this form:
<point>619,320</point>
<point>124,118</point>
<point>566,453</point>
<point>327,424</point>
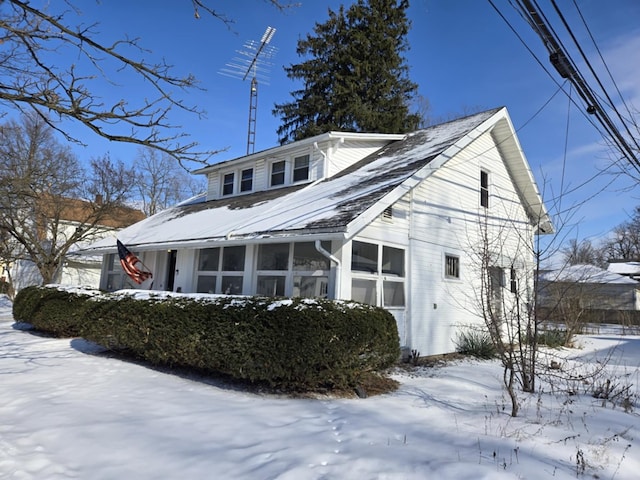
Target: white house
<point>71,214</point>
<point>390,220</point>
<point>587,287</point>
<point>629,269</point>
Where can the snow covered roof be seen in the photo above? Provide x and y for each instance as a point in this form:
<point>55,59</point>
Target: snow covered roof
<point>625,268</point>
<point>339,206</point>
<point>585,274</point>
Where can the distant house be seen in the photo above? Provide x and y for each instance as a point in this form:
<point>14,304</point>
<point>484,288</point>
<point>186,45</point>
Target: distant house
<point>587,287</point>
<point>390,220</point>
<point>626,268</point>
<point>72,214</point>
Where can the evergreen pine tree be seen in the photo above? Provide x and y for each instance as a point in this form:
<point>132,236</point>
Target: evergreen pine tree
<point>355,78</point>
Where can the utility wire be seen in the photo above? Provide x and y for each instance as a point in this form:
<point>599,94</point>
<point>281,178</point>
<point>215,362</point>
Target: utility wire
<point>593,72</point>
<point>567,69</point>
<point>586,26</point>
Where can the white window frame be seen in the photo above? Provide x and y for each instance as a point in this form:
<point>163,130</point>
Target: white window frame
<point>380,278</point>
<point>224,183</point>
<point>294,169</point>
<point>284,173</point>
<point>445,266</point>
<point>485,190</point>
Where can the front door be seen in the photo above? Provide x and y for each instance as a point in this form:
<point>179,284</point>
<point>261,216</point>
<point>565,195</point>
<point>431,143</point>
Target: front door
<point>171,270</point>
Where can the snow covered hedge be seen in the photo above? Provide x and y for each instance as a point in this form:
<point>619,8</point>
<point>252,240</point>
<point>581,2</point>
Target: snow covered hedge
<point>294,344</point>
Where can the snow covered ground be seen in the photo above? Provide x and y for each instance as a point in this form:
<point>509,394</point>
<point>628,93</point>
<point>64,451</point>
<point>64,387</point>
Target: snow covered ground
<point>68,412</point>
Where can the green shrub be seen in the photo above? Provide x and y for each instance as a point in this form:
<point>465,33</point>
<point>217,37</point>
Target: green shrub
<point>477,343</point>
<point>51,310</point>
<point>555,338</point>
<point>293,344</point>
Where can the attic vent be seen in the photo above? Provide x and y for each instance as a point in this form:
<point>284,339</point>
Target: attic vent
<point>387,214</point>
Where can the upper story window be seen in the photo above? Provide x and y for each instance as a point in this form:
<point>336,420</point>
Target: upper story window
<point>484,189</point>
<point>227,184</point>
<point>277,173</point>
<point>246,180</point>
<point>451,266</point>
<point>301,168</point>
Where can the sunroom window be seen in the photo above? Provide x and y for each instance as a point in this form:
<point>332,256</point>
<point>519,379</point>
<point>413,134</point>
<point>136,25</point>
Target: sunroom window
<point>273,256</point>
<point>364,257</point>
<point>372,273</point>
<point>116,278</point>
<point>210,276</point>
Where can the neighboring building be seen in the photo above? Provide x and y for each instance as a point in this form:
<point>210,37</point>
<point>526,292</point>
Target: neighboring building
<point>626,268</point>
<point>579,288</point>
<point>76,269</point>
<point>390,220</point>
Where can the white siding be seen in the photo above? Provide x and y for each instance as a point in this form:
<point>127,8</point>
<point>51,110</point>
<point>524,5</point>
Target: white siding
<point>260,175</point>
<point>213,185</point>
<point>447,219</point>
<point>350,152</point>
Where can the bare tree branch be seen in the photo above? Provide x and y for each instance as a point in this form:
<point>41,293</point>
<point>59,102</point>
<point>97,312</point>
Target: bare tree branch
<point>29,79</point>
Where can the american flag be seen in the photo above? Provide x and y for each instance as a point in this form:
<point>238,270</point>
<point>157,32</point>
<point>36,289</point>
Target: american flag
<point>129,264</point>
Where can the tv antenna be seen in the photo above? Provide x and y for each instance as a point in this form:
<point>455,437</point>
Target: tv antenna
<point>254,62</point>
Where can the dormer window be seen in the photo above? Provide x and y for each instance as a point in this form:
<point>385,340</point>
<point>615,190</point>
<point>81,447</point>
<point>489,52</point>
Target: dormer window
<point>277,173</point>
<point>301,168</point>
<point>246,180</point>
<point>227,184</point>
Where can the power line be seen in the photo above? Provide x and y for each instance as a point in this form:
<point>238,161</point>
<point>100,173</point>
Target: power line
<point>566,68</point>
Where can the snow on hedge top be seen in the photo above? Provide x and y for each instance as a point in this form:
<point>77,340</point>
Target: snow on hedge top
<point>236,300</point>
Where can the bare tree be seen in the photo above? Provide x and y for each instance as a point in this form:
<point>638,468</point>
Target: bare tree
<point>161,182</point>
<point>48,202</point>
<point>624,241</point>
<point>505,298</point>
<point>30,79</point>
<point>583,252</point>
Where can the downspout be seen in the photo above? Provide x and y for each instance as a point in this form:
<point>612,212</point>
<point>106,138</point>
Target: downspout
<point>325,163</point>
<point>334,259</point>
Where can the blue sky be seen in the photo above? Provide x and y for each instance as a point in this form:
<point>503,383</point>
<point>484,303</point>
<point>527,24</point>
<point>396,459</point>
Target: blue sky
<point>463,56</point>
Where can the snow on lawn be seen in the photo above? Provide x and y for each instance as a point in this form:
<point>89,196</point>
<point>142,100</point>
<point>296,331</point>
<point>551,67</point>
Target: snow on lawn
<point>68,412</point>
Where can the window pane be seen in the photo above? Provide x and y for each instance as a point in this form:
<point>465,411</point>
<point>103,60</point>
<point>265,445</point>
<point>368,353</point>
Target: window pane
<point>451,266</point>
<point>271,286</point>
<point>209,259</point>
<point>277,173</point>
<point>227,184</point>
<point>113,262</point>
<point>363,291</point>
<point>231,285</point>
<point>364,257</point>
<point>114,282</point>
<point>246,182</point>
<point>233,259</point>
<point>310,287</point>
<point>306,257</point>
<point>206,284</point>
<point>484,189</point>
<point>393,293</point>
<point>301,168</point>
<point>393,261</point>
<point>273,256</point>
